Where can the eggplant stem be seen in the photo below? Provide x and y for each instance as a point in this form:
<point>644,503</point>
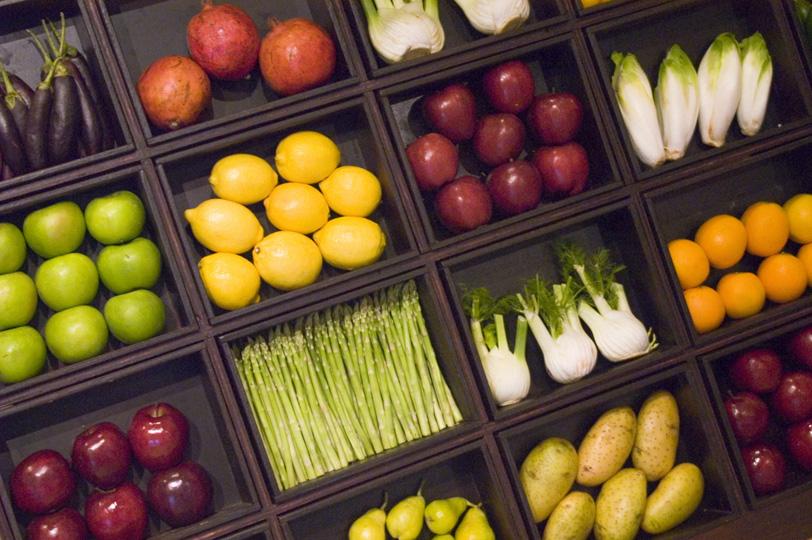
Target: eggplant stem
<point>51,43</point>
<point>40,47</point>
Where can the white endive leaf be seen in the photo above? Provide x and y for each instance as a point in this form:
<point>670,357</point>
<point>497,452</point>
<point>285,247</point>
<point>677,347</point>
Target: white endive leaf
<point>677,98</point>
<point>757,77</point>
<point>495,16</point>
<point>719,88</point>
<point>636,102</point>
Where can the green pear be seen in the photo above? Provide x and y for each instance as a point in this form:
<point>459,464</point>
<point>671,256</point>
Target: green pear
<point>370,526</point>
<point>442,515</point>
<point>55,230</point>
<point>405,520</point>
<point>475,526</point>
<point>130,266</point>
<point>115,218</point>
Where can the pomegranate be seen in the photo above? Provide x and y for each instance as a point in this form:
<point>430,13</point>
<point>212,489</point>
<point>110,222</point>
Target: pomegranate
<point>223,40</point>
<point>296,55</point>
<point>174,90</point>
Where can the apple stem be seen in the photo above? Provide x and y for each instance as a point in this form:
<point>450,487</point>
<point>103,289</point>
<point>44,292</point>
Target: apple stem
<point>207,4</point>
<point>273,22</point>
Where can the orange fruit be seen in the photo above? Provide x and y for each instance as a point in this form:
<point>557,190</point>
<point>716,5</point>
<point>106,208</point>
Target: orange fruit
<point>690,262</point>
<point>784,277</point>
<point>805,255</point>
<point>799,212</point>
<point>706,308</point>
<point>767,228</point>
<point>742,293</point>
<point>724,239</point>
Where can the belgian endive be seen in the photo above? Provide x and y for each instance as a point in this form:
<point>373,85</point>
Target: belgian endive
<point>719,88</point>
<point>757,77</point>
<point>403,30</point>
<point>495,16</point>
<point>636,102</point>
<point>677,98</point>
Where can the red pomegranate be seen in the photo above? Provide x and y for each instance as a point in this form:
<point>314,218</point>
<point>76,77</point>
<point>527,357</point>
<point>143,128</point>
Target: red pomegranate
<point>296,55</point>
<point>223,40</point>
<point>174,90</point>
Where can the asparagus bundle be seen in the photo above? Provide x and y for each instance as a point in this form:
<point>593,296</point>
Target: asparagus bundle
<point>345,384</point>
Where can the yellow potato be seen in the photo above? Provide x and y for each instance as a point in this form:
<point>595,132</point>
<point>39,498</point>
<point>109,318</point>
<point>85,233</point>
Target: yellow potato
<point>606,446</point>
<point>547,474</point>
<point>620,506</point>
<point>655,445</point>
<point>676,498</point>
<point>572,519</point>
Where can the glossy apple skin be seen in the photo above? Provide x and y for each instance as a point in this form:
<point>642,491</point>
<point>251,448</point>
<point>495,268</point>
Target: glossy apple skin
<point>792,400</point>
<point>451,112</point>
<point>765,466</point>
<point>799,442</point>
<point>158,436</point>
<point>66,524</point>
<point>499,138</point>
<point>181,495</point>
<point>555,118</point>
<point>464,204</point>
<point>515,187</point>
<point>434,161</point>
<point>564,169</point>
<point>42,482</point>
<point>101,455</point>
<point>756,370</point>
<point>749,416</point>
<point>800,347</point>
<point>120,514</point>
<point>509,87</point>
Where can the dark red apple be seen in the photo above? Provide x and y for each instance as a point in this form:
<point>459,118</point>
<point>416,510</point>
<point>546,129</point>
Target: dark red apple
<point>452,112</point>
<point>555,118</point>
<point>101,455</point>
<point>563,169</point>
<point>756,370</point>
<point>799,442</point>
<point>749,416</point>
<point>42,482</point>
<point>509,87</point>
<point>158,436</point>
<point>515,187</point>
<point>120,514</point>
<point>765,466</point>
<point>800,347</point>
<point>181,495</point>
<point>499,138</point>
<point>434,161</point>
<point>792,400</point>
<point>464,204</point>
<point>67,524</point>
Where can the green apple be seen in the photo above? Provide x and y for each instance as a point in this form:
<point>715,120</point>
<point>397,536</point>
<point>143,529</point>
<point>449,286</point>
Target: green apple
<point>18,300</point>
<point>115,218</point>
<point>12,248</point>
<point>55,230</point>
<point>67,281</point>
<point>76,334</point>
<point>135,316</point>
<point>135,265</point>
<point>22,354</point>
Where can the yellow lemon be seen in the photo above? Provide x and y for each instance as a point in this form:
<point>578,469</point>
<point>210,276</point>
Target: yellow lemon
<point>224,226</point>
<point>231,281</point>
<point>799,212</point>
<point>287,260</point>
<point>242,178</point>
<point>352,191</point>
<point>297,208</point>
<point>307,157</point>
<point>350,242</point>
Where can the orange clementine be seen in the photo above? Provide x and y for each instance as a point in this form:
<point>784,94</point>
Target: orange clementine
<point>706,308</point>
<point>799,212</point>
<point>724,239</point>
<point>767,228</point>
<point>805,255</point>
<point>742,293</point>
<point>690,262</point>
<point>784,277</point>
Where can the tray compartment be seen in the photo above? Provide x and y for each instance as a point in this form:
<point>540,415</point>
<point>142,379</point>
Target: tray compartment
<point>184,379</point>
<point>257,532</point>
<point>186,180</point>
<point>136,49</point>
<point>698,443</point>
<point>616,228</point>
<point>693,24</point>
<point>468,472</point>
<point>556,66</point>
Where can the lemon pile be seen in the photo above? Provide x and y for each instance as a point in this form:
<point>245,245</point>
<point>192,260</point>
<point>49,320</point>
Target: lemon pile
<point>305,236</point>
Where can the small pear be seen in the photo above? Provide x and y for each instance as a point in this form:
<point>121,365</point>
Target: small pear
<point>475,526</point>
<point>442,515</point>
<point>405,519</point>
<point>372,525</point>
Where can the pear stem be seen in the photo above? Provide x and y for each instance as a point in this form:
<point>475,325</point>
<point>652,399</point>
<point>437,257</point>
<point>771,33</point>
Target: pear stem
<point>385,500</point>
<point>420,488</point>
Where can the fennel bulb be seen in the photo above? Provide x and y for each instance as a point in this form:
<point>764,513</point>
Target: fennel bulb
<point>636,102</point>
<point>402,30</point>
<point>757,77</point>
<point>719,88</point>
<point>495,16</point>
<point>677,98</point>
